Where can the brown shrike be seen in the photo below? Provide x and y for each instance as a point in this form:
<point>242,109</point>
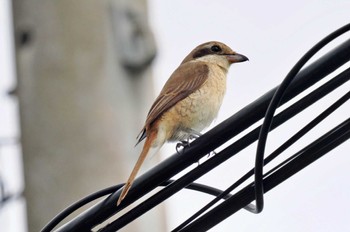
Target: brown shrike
<point>189,101</point>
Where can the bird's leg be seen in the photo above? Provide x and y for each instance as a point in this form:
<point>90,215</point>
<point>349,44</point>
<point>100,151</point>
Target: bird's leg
<point>192,134</point>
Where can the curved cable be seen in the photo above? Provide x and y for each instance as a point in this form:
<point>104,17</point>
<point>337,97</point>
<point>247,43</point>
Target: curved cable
<point>268,159</point>
<point>75,206</point>
<point>274,103</point>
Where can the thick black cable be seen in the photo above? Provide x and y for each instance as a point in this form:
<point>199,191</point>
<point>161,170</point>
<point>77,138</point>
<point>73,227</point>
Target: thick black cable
<point>301,159</point>
<point>304,130</point>
<point>104,192</point>
<point>274,103</point>
<point>272,156</point>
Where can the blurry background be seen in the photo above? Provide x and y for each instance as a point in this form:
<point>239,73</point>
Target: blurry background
<point>85,86</point>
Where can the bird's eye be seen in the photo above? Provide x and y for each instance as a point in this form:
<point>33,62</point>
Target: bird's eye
<point>215,48</point>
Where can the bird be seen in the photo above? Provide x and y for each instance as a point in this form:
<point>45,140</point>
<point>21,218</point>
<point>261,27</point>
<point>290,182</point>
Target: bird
<point>189,101</point>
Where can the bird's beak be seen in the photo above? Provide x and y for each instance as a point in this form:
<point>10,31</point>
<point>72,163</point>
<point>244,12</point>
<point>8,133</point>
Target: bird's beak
<point>236,58</point>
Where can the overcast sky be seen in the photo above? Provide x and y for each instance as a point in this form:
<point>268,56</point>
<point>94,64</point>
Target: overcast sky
<point>274,35</point>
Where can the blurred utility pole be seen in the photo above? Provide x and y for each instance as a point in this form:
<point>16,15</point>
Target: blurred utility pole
<point>84,87</point>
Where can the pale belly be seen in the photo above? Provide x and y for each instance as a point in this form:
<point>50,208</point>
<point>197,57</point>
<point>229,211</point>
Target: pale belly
<point>197,111</point>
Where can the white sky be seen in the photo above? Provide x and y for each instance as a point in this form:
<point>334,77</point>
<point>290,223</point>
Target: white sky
<point>274,35</point>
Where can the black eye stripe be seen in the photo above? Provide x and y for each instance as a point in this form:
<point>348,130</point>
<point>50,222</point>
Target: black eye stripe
<point>207,51</point>
<point>202,52</point>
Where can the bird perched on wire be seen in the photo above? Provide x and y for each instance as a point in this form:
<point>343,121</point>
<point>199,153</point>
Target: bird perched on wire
<point>189,101</point>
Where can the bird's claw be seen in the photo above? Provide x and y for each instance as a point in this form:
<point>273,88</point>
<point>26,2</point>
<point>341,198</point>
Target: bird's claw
<point>183,145</point>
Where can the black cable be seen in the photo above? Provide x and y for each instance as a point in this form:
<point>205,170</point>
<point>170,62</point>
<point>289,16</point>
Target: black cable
<point>304,130</point>
<point>303,158</point>
<point>268,159</point>
<point>259,160</point>
<point>203,188</point>
<point>75,206</point>
<point>148,204</point>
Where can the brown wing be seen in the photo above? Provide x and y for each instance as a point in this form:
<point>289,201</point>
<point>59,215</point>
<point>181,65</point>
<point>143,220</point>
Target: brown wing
<point>186,79</point>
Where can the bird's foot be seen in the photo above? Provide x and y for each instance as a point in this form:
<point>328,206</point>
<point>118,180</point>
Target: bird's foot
<point>183,145</point>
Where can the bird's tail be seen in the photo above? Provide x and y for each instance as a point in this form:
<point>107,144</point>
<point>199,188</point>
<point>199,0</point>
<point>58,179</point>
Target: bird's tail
<point>141,159</point>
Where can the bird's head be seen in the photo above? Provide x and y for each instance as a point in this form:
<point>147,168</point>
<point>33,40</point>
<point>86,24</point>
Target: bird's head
<point>215,52</point>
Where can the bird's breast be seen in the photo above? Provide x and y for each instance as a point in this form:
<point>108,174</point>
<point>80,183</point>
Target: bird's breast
<point>199,109</point>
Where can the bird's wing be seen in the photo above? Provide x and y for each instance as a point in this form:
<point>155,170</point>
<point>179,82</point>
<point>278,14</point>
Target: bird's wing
<point>186,79</point>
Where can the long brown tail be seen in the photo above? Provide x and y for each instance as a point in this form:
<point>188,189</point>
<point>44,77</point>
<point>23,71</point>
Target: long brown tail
<point>144,153</point>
